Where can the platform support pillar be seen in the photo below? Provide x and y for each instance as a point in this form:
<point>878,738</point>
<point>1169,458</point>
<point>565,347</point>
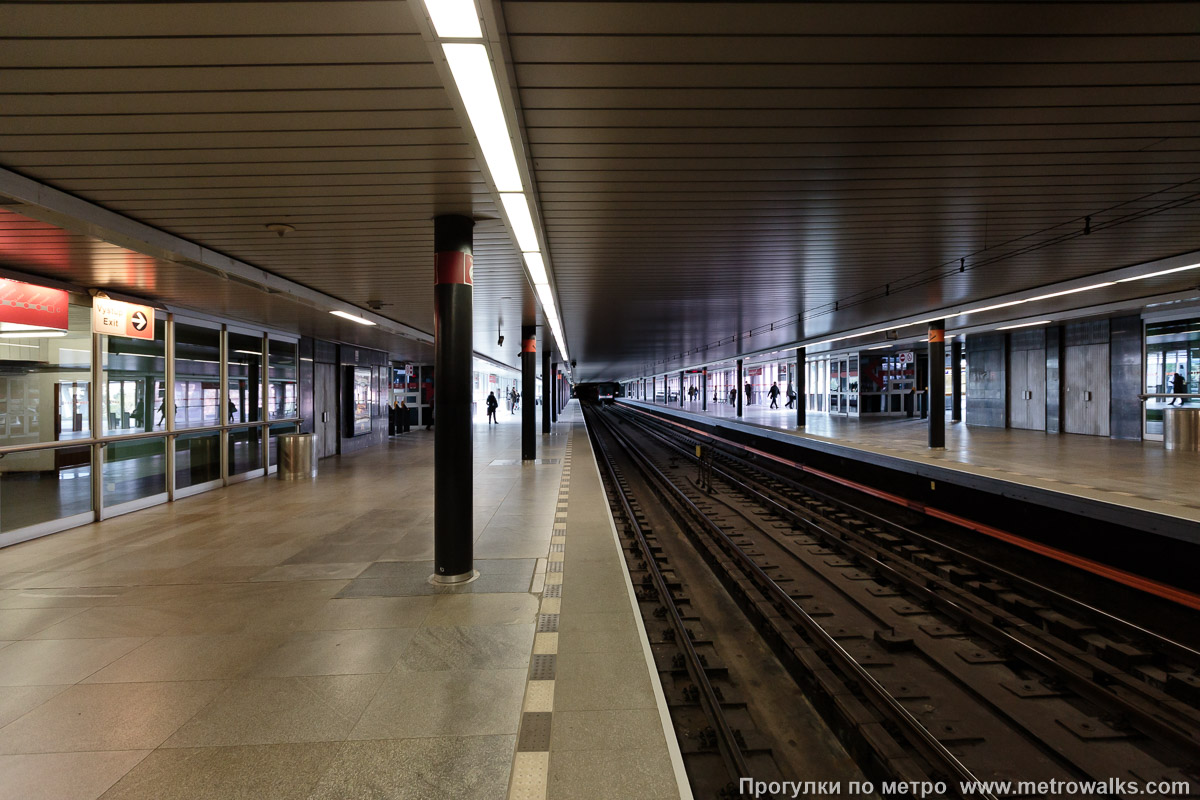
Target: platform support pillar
<point>553,393</point>
<point>704,389</point>
<point>528,392</point>
<point>738,386</point>
<point>682,378</point>
<point>937,385</point>
<point>956,350</point>
<point>545,387</point>
<point>799,388</point>
<point>453,297</point>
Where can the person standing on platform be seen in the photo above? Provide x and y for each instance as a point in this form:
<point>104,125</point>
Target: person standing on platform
<point>773,393</point>
<point>492,405</point>
<point>749,394</point>
<point>1178,386</point>
<point>791,396</point>
<point>402,424</point>
<point>733,397</point>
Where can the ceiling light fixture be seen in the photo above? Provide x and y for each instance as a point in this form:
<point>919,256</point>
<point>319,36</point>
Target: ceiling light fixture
<point>517,210</point>
<point>351,317</point>
<point>47,334</point>
<point>1023,325</point>
<point>454,19</point>
<point>537,268</point>
<point>472,71</point>
<point>1068,291</point>
<point>1156,274</point>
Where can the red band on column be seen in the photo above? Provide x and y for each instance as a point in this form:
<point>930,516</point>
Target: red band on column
<point>529,346</point>
<point>937,335</point>
<point>453,267</point>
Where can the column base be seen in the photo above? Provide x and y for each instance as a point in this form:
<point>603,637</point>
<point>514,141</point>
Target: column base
<point>454,580</point>
<point>937,448</point>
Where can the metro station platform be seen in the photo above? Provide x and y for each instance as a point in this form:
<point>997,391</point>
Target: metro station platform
<point>281,640</point>
<point>1101,474</point>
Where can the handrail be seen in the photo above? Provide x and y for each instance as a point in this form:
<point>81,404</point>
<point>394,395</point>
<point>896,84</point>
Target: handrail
<point>128,437</point>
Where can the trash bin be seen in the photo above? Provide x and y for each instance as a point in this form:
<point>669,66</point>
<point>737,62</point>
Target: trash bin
<point>297,456</point>
<point>1181,429</point>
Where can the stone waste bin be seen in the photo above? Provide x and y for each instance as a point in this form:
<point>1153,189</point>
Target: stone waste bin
<point>1181,429</point>
<point>297,456</point>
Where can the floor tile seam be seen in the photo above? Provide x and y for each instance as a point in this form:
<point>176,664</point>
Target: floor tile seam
<point>659,701</point>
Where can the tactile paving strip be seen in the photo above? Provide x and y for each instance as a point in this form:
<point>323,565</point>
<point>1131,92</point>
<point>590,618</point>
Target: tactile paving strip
<point>547,623</point>
<point>529,776</point>
<point>542,667</point>
<point>554,566</point>
<point>552,590</point>
<point>535,732</point>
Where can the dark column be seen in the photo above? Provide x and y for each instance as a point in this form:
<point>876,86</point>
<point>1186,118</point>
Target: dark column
<point>528,392</point>
<point>956,379</point>
<point>546,381</point>
<point>739,387</point>
<point>937,385</point>
<point>553,384</point>
<point>452,487</point>
<point>682,378</point>
<point>704,389</point>
<point>801,390</point>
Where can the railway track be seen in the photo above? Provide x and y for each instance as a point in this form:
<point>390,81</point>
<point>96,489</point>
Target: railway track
<point>931,663</point>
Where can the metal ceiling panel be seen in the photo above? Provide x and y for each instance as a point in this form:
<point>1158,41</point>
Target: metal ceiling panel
<point>211,120</point>
<point>718,178</point>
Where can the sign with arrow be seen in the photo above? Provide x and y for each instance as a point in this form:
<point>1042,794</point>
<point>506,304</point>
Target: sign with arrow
<point>117,318</point>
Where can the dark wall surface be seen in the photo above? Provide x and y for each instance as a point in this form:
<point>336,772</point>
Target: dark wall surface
<point>1125,354</point>
<point>987,388</point>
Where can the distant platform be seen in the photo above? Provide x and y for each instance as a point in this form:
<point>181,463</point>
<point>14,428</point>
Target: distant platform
<point>1135,483</point>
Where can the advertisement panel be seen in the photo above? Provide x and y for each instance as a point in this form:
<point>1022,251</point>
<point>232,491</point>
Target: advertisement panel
<point>27,304</point>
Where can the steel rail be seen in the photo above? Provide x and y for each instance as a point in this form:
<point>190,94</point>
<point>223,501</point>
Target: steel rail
<point>914,731</point>
<point>1081,680</point>
<point>728,746</point>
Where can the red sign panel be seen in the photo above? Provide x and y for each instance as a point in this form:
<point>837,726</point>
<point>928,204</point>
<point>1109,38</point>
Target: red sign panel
<point>27,304</point>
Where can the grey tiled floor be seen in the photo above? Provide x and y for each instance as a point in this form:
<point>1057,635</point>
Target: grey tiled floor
<point>217,647</point>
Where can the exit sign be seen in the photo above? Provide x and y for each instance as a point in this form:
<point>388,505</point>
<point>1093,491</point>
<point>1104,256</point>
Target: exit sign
<point>116,318</point>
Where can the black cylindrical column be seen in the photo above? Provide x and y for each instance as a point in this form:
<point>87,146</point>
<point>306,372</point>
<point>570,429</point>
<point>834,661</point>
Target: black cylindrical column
<point>682,378</point>
<point>546,381</point>
<point>704,389</point>
<point>739,387</point>
<point>937,385</point>
<point>553,383</point>
<point>956,379</point>
<point>801,391</point>
<point>528,392</point>
<point>453,292</point>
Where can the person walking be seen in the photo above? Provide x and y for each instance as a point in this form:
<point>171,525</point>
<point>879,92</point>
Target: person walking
<point>733,397</point>
<point>773,393</point>
<point>402,423</point>
<point>492,405</point>
<point>791,396</point>
<point>1178,386</point>
<point>749,394</point>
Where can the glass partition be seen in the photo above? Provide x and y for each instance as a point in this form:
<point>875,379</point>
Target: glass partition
<point>197,377</point>
<point>134,382</point>
<point>197,459</point>
<point>44,485</point>
<point>283,373</point>
<point>45,381</point>
<point>245,378</point>
<point>245,450</point>
<point>134,469</point>
<point>1172,367</point>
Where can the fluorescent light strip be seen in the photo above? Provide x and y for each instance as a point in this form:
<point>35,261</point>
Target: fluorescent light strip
<point>472,70</point>
<point>517,210</point>
<point>351,317</point>
<point>1068,291</point>
<point>537,268</point>
<point>32,334</point>
<point>544,295</point>
<point>1156,274</point>
<point>1023,325</point>
<point>454,19</point>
